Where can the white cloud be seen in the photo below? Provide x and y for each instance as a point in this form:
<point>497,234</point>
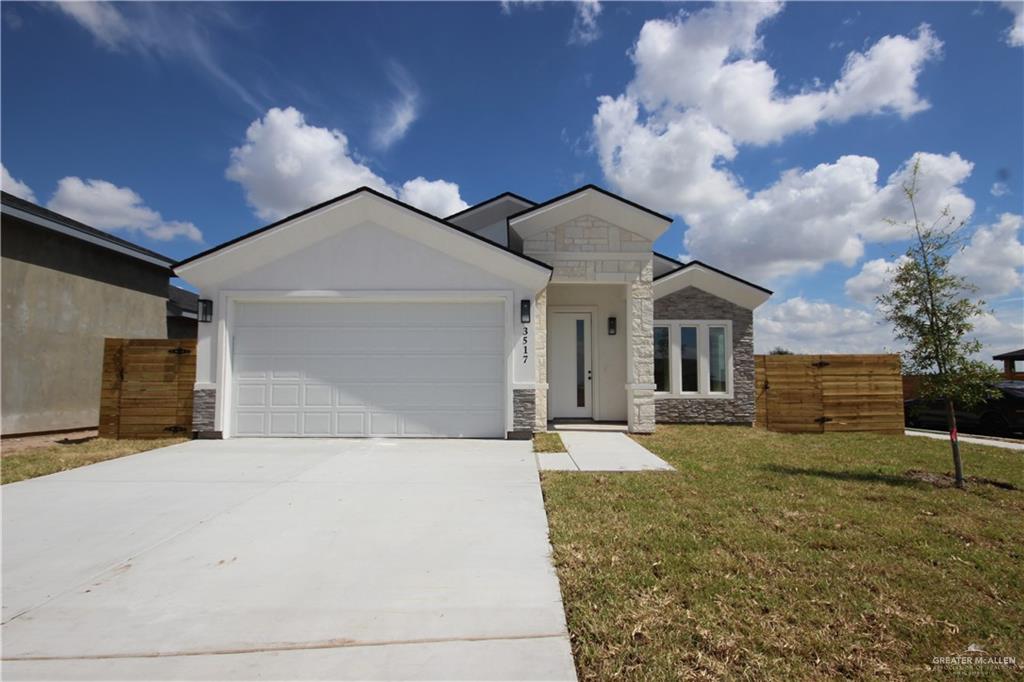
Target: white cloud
<point>166,30</point>
<point>402,111</point>
<point>999,189</point>
<point>286,165</point>
<point>993,259</point>
<point>700,93</point>
<point>436,197</point>
<point>809,326</point>
<point>1015,34</point>
<point>106,206</point>
<point>11,185</point>
<point>873,280</point>
<point>584,23</point>
<point>707,62</point>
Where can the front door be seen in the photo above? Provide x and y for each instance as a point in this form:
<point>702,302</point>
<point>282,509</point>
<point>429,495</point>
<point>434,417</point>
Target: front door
<point>569,372</point>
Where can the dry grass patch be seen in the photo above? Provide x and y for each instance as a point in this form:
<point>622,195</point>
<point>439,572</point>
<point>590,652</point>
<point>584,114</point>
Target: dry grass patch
<point>61,457</point>
<point>547,442</point>
<point>789,557</point>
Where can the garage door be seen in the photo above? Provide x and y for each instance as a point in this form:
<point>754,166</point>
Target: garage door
<point>368,369</point>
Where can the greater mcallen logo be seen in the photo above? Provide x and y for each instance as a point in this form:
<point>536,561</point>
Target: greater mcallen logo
<point>974,658</point>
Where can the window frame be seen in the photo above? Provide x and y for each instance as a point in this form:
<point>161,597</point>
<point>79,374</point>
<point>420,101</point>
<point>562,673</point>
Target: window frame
<point>675,366</point>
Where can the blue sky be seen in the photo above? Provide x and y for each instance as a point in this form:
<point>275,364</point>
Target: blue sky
<point>777,135</point>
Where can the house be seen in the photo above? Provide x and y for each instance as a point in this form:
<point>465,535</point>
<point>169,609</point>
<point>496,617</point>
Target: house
<point>67,286</point>
<point>364,316</point>
<point>1010,362</point>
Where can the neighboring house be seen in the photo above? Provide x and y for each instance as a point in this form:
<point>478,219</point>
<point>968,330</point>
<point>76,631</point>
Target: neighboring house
<point>1012,360</point>
<point>67,286</point>
<point>364,316</point>
<point>182,308</point>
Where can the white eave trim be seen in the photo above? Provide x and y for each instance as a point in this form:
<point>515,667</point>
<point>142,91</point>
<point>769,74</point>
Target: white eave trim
<point>84,236</point>
<point>715,283</point>
<point>590,202</point>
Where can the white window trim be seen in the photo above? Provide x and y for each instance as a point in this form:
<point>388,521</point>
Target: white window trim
<point>703,391</point>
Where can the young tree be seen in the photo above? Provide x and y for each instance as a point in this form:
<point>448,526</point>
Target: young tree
<point>780,350</point>
<point>932,310</point>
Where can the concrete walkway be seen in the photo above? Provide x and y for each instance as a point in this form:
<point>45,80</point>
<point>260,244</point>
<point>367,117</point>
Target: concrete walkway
<point>285,559</point>
<point>977,440</point>
<point>600,451</point>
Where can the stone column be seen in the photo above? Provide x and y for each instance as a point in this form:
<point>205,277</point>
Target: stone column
<point>640,347</point>
<point>540,352</point>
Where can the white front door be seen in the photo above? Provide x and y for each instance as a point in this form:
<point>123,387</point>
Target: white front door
<point>569,371</point>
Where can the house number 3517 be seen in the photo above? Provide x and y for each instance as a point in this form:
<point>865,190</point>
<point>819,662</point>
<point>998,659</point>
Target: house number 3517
<point>526,339</point>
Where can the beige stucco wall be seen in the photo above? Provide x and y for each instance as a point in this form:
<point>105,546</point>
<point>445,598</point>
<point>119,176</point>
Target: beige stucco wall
<point>51,343</point>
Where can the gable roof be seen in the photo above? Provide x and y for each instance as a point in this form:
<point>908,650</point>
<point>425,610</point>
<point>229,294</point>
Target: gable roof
<point>712,280</point>
<point>343,197</point>
<point>332,217</point>
<point>593,200</point>
<point>17,207</point>
<point>486,202</point>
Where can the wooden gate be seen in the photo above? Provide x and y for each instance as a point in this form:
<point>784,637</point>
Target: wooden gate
<point>147,388</point>
<point>820,393</point>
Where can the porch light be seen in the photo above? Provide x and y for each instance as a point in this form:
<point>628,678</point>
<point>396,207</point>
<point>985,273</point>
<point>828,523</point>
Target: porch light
<point>612,326</point>
<point>205,310</point>
<point>524,310</point>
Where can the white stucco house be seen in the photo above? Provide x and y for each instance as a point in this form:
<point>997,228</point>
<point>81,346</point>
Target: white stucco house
<point>364,316</point>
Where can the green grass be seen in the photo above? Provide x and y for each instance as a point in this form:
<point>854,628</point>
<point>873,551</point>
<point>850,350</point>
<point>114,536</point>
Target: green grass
<point>784,556</point>
<point>547,442</point>
<point>53,458</point>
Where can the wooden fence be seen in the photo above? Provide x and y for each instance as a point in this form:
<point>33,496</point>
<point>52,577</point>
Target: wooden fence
<point>821,393</point>
<point>147,388</point>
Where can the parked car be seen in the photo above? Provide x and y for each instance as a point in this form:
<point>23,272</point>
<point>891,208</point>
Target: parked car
<point>1001,416</point>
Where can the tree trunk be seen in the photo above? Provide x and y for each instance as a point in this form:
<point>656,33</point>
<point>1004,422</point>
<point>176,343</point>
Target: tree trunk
<point>954,441</point>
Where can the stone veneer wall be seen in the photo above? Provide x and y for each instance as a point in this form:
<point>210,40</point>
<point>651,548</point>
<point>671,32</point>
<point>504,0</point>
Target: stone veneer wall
<point>694,304</point>
<point>204,409</point>
<point>540,351</point>
<point>589,249</point>
<point>524,409</point>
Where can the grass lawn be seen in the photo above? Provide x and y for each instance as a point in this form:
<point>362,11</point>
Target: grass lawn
<point>547,442</point>
<point>784,556</point>
<point>59,457</point>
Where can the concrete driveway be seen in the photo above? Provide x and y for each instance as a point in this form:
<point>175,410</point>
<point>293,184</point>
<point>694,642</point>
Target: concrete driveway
<point>285,559</point>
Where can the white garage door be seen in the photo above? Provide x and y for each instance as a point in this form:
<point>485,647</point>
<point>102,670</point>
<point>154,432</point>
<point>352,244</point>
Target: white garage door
<point>368,369</point>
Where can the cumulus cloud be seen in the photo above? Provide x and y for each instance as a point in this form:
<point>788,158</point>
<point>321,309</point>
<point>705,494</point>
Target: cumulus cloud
<point>809,326</point>
<point>436,197</point>
<point>584,23</point>
<point>873,280</point>
<point>1015,34</point>
<point>11,185</point>
<point>106,206</point>
<point>402,111</point>
<point>286,164</point>
<point>171,31</point>
<point>700,93</point>
<point>993,259</point>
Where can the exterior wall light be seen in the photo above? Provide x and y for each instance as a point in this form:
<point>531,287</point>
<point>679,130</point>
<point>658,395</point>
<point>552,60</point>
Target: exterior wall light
<point>524,310</point>
<point>205,310</point>
<point>612,326</point>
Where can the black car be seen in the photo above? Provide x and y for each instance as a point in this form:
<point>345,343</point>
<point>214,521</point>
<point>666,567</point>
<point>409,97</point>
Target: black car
<point>1002,416</point>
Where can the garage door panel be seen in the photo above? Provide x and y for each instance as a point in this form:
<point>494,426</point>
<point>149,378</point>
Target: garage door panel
<point>369,369</point>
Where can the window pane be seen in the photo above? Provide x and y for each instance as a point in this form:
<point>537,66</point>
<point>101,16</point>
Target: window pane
<point>716,358</point>
<point>661,358</point>
<point>581,389</point>
<point>688,355</point>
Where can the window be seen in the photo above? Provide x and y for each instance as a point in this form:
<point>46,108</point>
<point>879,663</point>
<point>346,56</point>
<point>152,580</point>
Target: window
<point>693,358</point>
<point>688,359</point>
<point>661,359</point>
